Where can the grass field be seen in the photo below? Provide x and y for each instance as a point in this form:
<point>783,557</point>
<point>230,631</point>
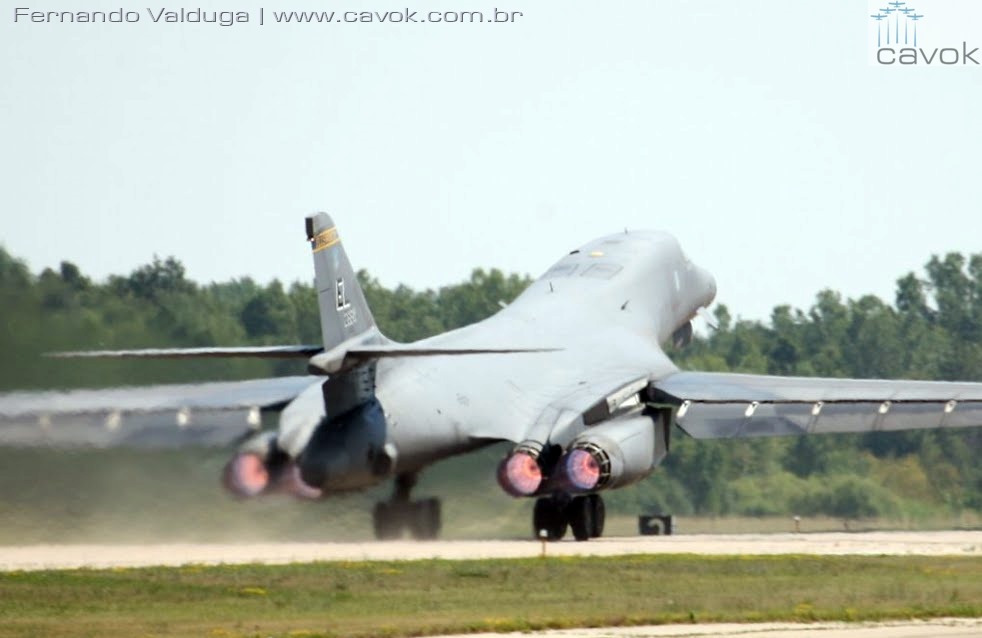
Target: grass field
<point>436,596</point>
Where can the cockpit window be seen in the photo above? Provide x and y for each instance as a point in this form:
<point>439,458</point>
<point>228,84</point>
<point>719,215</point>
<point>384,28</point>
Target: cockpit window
<point>601,271</point>
<point>561,270</point>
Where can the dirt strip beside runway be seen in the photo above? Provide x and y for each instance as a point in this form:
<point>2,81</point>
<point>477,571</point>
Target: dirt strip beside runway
<point>37,557</point>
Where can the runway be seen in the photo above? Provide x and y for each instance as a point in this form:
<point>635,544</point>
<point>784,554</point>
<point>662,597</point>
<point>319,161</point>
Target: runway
<point>39,557</point>
<point>935,628</point>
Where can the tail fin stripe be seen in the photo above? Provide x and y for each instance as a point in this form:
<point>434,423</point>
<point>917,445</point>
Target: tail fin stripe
<point>325,239</point>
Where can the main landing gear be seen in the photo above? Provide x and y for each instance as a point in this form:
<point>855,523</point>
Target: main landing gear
<point>585,515</point>
<point>391,518</point>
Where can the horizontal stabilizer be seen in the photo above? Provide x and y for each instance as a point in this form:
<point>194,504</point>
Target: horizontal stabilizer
<point>254,352</point>
<point>345,359</point>
<point>383,352</point>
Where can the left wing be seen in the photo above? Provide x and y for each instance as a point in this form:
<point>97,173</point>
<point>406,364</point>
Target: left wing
<point>713,405</point>
<point>204,414</point>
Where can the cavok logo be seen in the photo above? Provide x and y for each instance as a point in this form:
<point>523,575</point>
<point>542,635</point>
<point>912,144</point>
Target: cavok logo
<point>932,35</point>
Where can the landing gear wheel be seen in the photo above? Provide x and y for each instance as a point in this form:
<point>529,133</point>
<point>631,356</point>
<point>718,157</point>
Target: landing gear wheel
<point>549,516</point>
<point>386,521</point>
<point>393,517</point>
<point>599,515</point>
<point>424,520</point>
<point>580,512</point>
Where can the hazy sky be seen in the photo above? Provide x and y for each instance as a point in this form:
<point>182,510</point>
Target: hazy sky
<point>757,132</point>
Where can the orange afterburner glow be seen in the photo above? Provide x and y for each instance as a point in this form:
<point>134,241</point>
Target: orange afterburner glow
<point>246,475</point>
<point>520,474</point>
<point>294,484</point>
<point>582,470</point>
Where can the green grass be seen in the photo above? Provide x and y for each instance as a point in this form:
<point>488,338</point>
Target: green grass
<point>438,596</point>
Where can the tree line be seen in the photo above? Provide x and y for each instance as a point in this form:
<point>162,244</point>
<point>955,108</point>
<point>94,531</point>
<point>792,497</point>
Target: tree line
<point>931,330</point>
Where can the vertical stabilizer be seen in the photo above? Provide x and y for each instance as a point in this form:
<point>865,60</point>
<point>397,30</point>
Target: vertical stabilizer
<point>343,310</point>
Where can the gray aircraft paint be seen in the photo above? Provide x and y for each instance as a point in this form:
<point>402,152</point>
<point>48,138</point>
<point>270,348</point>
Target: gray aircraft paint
<point>202,414</point>
<point>555,367</point>
<point>343,310</point>
<point>605,308</point>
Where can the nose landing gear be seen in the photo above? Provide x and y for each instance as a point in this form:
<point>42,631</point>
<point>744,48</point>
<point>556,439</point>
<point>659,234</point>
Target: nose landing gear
<point>585,515</point>
<point>391,518</point>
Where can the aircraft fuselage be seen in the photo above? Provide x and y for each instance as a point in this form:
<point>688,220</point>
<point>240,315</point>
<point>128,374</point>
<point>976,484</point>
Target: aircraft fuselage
<point>619,298</point>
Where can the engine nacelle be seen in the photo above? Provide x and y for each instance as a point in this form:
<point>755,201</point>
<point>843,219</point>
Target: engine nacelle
<point>349,452</point>
<point>614,453</point>
<point>260,467</point>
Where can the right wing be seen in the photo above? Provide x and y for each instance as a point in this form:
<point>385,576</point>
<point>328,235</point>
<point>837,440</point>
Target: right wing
<point>714,405</point>
<point>204,414</point>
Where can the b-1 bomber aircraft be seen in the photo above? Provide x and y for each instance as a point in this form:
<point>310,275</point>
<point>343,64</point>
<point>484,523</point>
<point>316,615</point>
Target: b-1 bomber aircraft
<point>572,374</point>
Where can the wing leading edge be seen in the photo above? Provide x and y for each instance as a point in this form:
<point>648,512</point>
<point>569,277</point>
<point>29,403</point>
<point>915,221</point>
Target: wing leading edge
<point>722,405</point>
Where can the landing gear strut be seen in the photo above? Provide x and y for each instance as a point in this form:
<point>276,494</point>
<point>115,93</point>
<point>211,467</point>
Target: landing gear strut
<point>549,518</point>
<point>391,518</point>
<point>585,515</point>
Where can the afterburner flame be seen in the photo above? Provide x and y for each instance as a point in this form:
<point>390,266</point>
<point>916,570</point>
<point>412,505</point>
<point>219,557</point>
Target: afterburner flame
<point>246,474</point>
<point>520,474</point>
<point>294,484</point>
<point>582,470</point>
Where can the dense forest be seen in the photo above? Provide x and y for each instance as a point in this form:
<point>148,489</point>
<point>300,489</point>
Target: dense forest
<point>931,330</point>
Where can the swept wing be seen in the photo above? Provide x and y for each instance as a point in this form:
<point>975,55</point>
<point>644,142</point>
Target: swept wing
<point>722,405</point>
<point>203,414</point>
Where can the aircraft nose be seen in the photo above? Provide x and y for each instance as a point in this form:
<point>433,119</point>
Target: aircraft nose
<point>708,285</point>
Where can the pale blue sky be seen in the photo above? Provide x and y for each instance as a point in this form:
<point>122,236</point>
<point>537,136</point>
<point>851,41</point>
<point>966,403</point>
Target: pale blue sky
<point>756,132</point>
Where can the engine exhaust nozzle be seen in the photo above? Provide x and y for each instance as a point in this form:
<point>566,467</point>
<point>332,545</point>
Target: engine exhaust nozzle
<point>519,474</point>
<point>246,475</point>
<point>583,469</point>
